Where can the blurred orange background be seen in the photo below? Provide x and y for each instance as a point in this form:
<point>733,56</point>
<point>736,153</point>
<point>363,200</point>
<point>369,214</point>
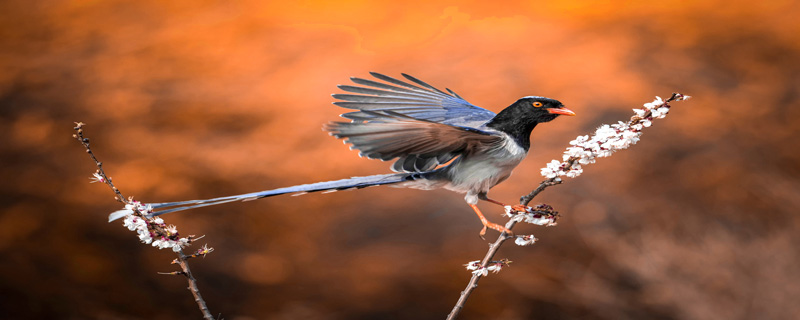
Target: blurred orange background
<point>197,99</point>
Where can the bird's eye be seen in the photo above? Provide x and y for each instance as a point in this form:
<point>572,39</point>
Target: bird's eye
<point>537,104</point>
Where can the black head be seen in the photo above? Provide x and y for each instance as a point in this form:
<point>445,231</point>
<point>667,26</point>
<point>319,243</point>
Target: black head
<point>519,119</point>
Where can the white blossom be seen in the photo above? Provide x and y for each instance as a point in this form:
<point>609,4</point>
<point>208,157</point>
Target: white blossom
<point>539,220</point>
<point>481,271</point>
<point>96,177</point>
<point>145,237</point>
<point>656,103</point>
<point>158,243</point>
<point>552,170</point>
<point>130,223</point>
<point>606,140</point>
<point>531,215</point>
<point>525,240</point>
<point>662,112</point>
<point>575,171</point>
<point>603,133</point>
<point>579,140</point>
<point>494,266</point>
<point>144,227</point>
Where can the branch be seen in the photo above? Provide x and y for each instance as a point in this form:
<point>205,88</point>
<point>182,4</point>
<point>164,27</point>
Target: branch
<point>148,228</point>
<point>473,282</point>
<point>182,261</point>
<point>605,141</point>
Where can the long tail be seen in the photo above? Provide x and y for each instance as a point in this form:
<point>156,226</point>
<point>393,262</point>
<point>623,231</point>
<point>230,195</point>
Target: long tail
<point>330,186</point>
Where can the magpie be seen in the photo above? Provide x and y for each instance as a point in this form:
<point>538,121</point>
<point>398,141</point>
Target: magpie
<point>439,140</point>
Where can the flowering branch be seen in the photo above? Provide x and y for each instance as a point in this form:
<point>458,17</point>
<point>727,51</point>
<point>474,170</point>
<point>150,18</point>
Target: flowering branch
<point>584,150</point>
<point>150,230</point>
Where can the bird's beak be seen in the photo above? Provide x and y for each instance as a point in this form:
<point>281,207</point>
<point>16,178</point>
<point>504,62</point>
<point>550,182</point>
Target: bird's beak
<point>562,110</point>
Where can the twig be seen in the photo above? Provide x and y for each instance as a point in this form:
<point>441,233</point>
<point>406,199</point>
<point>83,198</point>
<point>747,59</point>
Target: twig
<point>526,199</point>
<point>571,167</point>
<point>182,261</point>
<point>473,282</point>
<point>157,228</point>
<point>100,173</point>
<point>494,247</point>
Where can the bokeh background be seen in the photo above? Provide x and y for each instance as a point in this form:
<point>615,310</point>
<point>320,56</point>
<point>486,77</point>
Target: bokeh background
<point>196,99</point>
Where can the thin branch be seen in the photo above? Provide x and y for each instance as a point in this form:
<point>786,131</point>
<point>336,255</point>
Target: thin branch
<point>572,163</point>
<point>473,282</point>
<point>493,248</point>
<point>158,228</point>
<point>184,263</point>
<point>104,178</point>
<point>525,200</point>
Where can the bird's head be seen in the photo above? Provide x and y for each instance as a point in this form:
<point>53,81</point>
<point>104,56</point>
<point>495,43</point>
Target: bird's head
<point>530,110</point>
<point>540,109</point>
<point>522,116</point>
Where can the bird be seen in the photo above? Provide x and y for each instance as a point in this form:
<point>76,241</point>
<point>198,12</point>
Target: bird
<point>437,140</point>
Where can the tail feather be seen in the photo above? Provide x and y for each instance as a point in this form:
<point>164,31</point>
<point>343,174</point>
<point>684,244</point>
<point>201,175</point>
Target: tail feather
<point>329,186</point>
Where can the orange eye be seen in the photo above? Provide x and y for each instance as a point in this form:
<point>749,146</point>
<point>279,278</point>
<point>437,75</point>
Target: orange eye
<point>537,104</point>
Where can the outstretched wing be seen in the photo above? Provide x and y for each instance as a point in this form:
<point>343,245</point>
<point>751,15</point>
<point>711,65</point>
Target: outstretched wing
<point>420,145</point>
<point>421,101</point>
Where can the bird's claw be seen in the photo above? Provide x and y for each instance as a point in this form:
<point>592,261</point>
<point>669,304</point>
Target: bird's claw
<point>494,226</point>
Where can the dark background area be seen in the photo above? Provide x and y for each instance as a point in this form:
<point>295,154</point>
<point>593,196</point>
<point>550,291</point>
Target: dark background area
<point>197,99</point>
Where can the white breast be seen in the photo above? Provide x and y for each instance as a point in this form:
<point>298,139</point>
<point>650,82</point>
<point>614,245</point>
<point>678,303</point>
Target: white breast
<point>483,170</point>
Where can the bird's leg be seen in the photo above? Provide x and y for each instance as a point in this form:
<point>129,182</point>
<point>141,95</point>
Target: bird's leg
<point>494,201</point>
<point>515,207</point>
<point>487,224</point>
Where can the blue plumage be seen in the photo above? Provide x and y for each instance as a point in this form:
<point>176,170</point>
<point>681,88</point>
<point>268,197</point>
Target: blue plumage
<point>439,140</point>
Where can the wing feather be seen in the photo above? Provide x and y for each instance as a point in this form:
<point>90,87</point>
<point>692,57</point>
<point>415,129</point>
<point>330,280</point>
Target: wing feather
<point>417,98</point>
<point>422,83</point>
<point>380,99</point>
<point>420,145</point>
